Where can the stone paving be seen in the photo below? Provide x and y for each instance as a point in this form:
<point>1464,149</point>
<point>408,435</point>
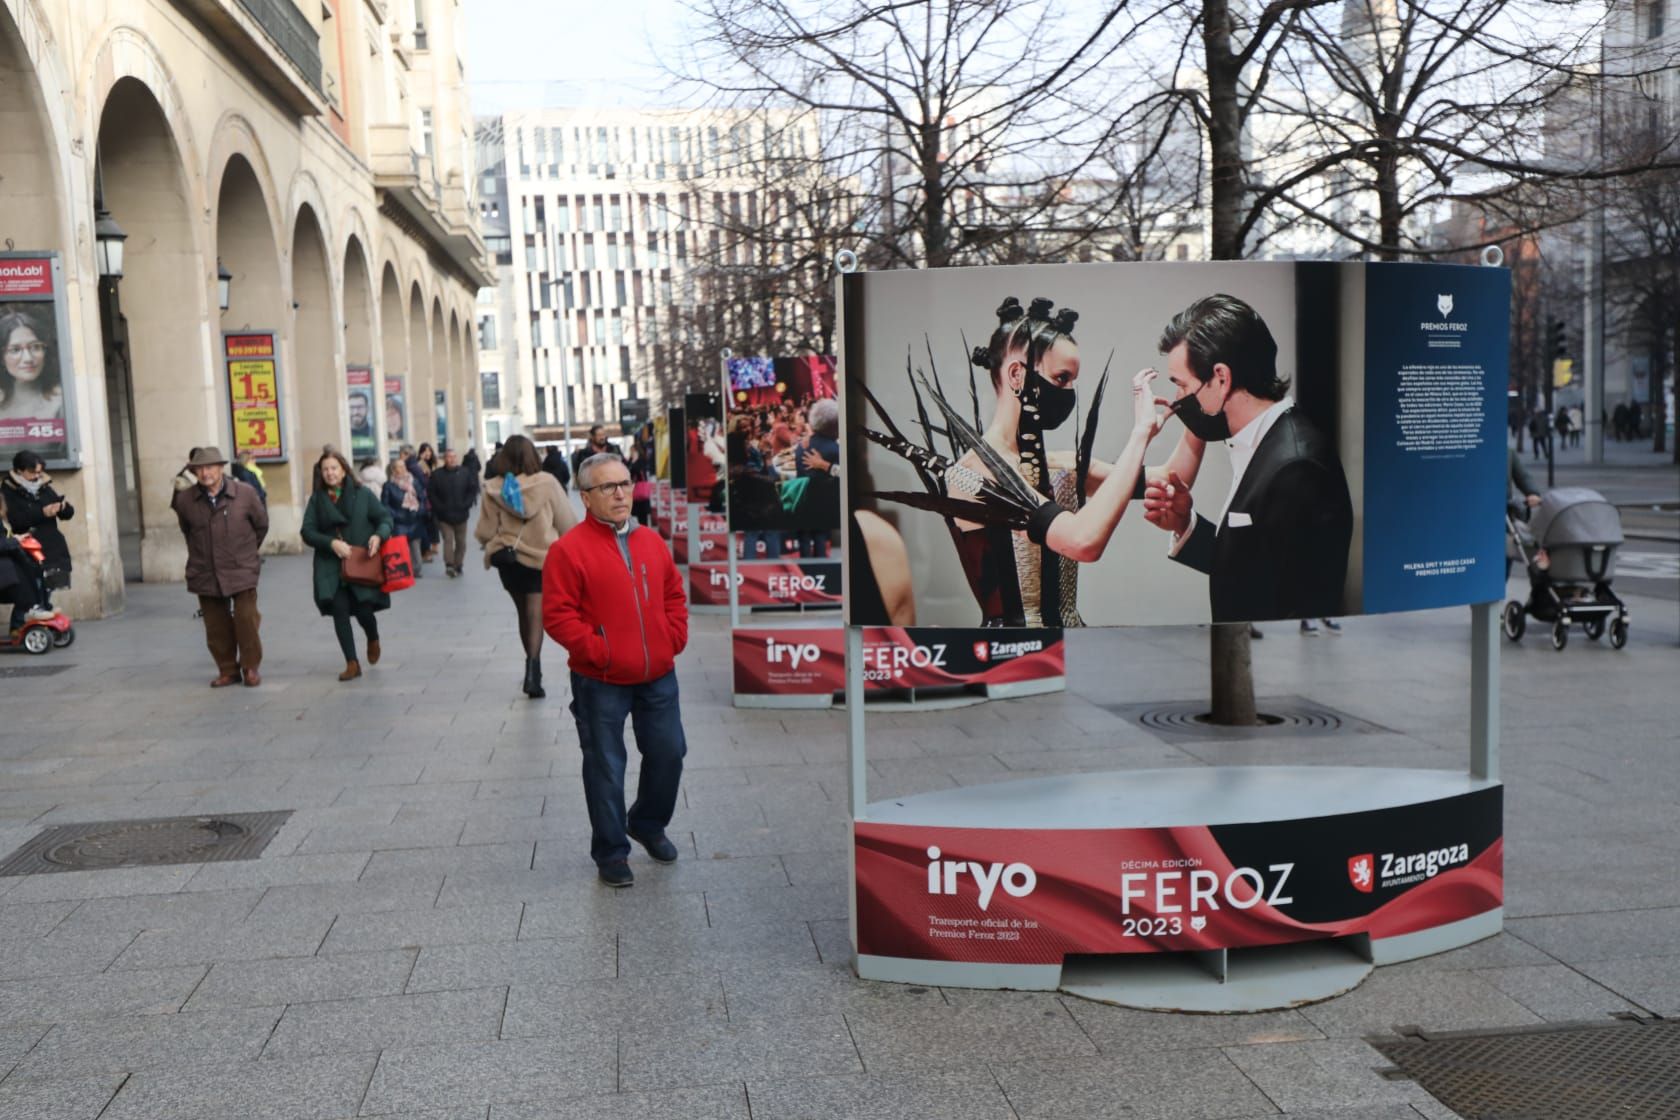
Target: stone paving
<point>425,938</point>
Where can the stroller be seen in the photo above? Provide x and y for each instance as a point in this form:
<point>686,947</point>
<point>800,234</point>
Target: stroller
<point>1579,532</point>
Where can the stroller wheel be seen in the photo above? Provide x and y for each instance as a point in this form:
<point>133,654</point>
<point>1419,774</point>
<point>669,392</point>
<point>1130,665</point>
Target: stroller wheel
<point>1515,621</point>
<point>1560,634</point>
<point>1594,628</point>
<point>1618,633</point>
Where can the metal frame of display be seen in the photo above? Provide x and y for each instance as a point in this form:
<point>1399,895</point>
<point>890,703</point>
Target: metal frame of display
<point>1232,979</point>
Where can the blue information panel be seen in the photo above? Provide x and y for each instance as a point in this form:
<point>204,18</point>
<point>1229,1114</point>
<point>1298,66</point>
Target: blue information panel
<point>1436,350</point>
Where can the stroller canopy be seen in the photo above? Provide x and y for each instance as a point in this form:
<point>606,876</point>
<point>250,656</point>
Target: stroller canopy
<point>1574,516</point>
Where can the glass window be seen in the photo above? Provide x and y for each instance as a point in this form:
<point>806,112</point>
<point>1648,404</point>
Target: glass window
<point>588,250</point>
<point>491,388</point>
<point>487,332</point>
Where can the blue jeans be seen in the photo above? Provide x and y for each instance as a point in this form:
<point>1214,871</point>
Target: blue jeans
<point>599,709</point>
<point>772,544</point>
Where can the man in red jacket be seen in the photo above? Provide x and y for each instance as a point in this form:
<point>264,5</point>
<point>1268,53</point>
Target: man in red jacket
<point>611,596</point>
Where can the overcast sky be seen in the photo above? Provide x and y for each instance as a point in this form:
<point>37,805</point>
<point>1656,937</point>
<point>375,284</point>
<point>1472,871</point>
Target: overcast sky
<point>522,55</point>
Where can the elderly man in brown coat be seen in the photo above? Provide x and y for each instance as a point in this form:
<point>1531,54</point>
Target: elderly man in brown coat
<point>224,522</point>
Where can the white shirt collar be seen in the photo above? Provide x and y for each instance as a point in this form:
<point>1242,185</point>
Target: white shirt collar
<point>1242,446</point>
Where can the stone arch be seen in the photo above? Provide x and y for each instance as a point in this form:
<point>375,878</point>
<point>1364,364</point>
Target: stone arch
<point>359,326</point>
<point>393,333</point>
<point>458,433</point>
<point>317,345</point>
<point>419,366</point>
<point>236,137</point>
<point>439,350</point>
<point>155,321</point>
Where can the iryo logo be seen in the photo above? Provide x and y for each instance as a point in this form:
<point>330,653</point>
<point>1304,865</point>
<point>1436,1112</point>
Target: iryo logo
<point>719,577</point>
<point>1016,879</point>
<point>1361,872</point>
<point>794,654</point>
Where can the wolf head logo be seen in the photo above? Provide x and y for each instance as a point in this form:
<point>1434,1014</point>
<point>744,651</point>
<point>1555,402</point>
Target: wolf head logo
<point>1443,302</point>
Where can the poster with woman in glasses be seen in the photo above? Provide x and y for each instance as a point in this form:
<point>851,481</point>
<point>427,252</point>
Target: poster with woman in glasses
<point>32,390</point>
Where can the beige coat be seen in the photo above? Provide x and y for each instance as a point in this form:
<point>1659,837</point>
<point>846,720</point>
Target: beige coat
<point>548,514</point>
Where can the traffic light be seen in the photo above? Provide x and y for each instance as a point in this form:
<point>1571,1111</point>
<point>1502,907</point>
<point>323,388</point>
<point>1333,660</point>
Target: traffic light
<point>1557,339</point>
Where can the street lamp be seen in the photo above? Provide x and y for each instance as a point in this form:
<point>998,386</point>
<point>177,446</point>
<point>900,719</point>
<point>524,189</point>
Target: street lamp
<point>108,238</point>
<point>224,285</point>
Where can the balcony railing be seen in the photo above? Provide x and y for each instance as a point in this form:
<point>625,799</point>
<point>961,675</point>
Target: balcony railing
<point>292,33</point>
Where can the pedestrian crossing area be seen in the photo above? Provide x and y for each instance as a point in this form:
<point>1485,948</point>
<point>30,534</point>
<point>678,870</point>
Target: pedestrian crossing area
<point>1647,565</point>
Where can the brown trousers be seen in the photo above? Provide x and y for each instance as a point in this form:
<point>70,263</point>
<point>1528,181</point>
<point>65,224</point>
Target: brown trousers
<point>454,544</point>
<point>230,630</point>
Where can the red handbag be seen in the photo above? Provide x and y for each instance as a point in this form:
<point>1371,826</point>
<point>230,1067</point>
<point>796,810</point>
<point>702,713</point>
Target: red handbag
<point>398,564</point>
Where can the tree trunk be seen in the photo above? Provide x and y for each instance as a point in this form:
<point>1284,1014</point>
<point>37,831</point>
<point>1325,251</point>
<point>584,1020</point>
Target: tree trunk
<point>1231,672</point>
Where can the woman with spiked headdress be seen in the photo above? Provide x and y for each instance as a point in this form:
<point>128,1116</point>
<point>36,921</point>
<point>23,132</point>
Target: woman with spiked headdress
<point>1024,517</point>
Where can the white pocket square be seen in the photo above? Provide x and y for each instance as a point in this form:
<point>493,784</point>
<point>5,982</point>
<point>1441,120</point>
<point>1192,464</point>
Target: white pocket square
<point>1238,520</point>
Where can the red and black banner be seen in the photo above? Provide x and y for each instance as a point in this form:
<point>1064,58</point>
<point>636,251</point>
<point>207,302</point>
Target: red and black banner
<point>812,661</point>
<point>1033,896</point>
<point>714,548</point>
<point>789,583</point>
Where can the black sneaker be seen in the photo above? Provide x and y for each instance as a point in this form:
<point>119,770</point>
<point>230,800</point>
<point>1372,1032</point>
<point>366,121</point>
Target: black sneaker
<point>616,874</point>
<point>659,847</point>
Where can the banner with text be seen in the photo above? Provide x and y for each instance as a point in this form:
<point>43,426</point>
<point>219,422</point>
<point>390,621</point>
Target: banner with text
<point>1034,896</point>
<point>811,661</point>
<point>37,399</point>
<point>253,375</point>
<point>791,583</point>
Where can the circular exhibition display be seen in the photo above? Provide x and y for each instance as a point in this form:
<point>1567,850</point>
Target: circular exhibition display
<point>1187,444</point>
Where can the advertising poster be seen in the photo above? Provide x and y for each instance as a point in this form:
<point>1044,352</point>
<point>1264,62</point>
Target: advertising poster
<point>1159,444</point>
<point>662,447</point>
<point>676,430</point>
<point>783,452</point>
<point>396,411</point>
<point>364,441</point>
<point>788,583</point>
<point>703,443</point>
<point>35,401</point>
<point>1034,896</point>
<point>254,394</point>
<point>440,405</point>
<point>812,661</point>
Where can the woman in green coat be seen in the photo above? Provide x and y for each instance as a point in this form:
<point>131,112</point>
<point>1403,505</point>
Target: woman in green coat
<point>342,512</point>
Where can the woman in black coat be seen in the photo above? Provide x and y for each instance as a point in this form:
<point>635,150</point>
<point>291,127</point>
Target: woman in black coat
<point>34,507</point>
<point>342,514</point>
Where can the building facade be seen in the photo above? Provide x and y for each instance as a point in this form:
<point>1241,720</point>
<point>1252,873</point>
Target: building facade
<point>292,172</point>
<point>618,225</point>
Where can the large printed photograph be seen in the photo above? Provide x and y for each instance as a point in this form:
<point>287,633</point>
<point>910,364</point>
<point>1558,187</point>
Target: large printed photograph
<point>1157,444</point>
<point>784,454</point>
<point>35,412</point>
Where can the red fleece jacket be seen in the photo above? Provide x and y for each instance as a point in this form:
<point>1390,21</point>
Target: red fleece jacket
<point>619,625</point>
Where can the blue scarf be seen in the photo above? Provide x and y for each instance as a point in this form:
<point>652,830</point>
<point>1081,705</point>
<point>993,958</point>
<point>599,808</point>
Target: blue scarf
<point>513,496</point>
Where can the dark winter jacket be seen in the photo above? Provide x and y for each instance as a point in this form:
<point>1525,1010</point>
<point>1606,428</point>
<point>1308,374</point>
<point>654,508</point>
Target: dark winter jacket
<point>409,522</point>
<point>24,513</point>
<point>224,533</point>
<point>453,491</point>
<point>555,464</point>
<point>355,517</point>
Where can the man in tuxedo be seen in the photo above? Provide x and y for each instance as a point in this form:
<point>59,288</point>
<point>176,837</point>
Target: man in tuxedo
<point>1278,548</point>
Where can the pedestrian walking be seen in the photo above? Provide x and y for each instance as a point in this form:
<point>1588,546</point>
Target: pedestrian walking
<point>420,467</point>
<point>611,596</point>
<point>246,470</point>
<point>555,464</point>
<point>470,462</point>
<point>34,507</point>
<point>341,515</point>
<point>453,491</point>
<point>224,524</point>
<point>523,512</point>
<point>402,497</point>
<point>641,483</point>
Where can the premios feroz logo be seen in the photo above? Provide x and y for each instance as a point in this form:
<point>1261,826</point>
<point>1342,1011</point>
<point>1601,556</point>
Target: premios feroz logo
<point>1444,306</point>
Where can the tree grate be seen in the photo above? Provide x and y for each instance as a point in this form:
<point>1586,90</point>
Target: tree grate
<point>146,843</point>
<point>1280,715</point>
<point>1629,1071</point>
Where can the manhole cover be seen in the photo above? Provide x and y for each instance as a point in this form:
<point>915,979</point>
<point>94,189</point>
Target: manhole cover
<point>10,672</point>
<point>1631,1072</point>
<point>107,844</point>
<point>1280,715</point>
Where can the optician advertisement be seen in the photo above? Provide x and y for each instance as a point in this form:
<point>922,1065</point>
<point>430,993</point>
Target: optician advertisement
<point>1157,444</point>
<point>36,412</point>
<point>1034,896</point>
<point>253,377</point>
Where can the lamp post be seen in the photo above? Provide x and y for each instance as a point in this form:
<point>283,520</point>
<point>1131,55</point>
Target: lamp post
<point>224,285</point>
<point>108,238</point>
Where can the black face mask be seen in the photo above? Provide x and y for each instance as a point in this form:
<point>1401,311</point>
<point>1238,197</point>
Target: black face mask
<point>1054,402</point>
<point>1212,427</point>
